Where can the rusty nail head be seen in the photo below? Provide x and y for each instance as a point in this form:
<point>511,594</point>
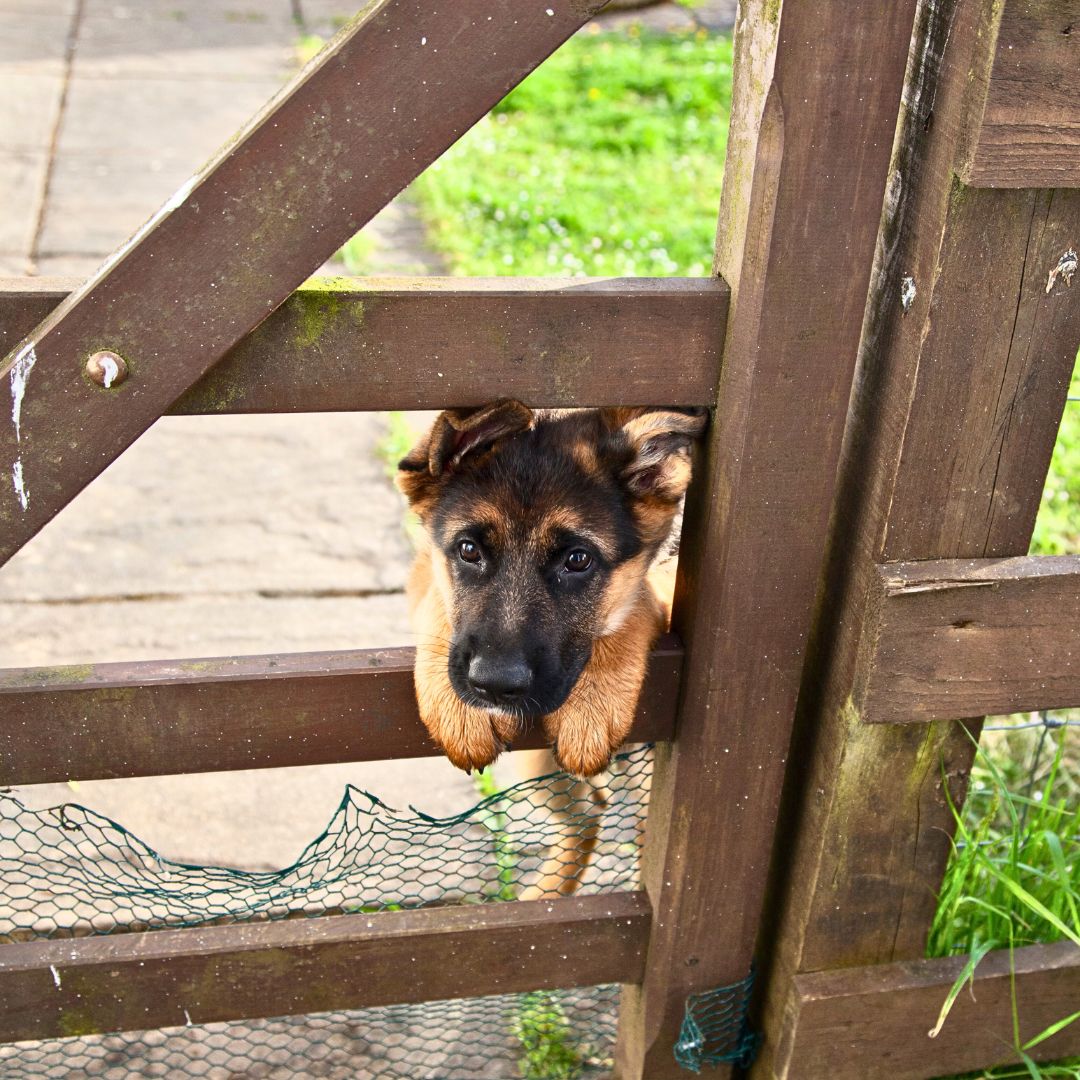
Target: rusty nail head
<point>106,369</point>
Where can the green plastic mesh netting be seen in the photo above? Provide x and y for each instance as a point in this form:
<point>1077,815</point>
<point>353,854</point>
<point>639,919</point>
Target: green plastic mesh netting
<point>716,1030</point>
<point>547,1035</point>
<point>68,871</point>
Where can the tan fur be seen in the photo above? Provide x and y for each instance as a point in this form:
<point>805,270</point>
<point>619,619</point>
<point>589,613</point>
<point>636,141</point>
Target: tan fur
<point>595,719</point>
<point>592,722</point>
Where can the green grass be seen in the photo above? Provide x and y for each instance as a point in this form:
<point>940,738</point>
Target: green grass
<point>396,442</point>
<point>549,1049</point>
<point>606,160</point>
<point>1012,878</point>
<point>503,847</point>
<point>1057,529</point>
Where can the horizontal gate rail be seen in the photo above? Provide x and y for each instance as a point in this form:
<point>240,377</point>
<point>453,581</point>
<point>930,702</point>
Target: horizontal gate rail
<point>1024,129</point>
<point>340,344</point>
<point>952,638</point>
<point>873,1023</point>
<point>381,102</point>
<point>160,717</point>
<point>166,978</point>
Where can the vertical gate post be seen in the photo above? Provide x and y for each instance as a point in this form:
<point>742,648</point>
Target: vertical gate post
<point>963,374</point>
<point>819,86</point>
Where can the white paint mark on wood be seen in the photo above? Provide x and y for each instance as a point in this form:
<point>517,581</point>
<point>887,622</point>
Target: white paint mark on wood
<point>19,377</point>
<point>1066,267</point>
<point>20,486</point>
<point>178,197</point>
<point>907,292</point>
<point>110,370</point>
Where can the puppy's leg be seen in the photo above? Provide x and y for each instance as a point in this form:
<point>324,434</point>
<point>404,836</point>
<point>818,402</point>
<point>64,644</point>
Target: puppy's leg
<point>597,716</point>
<point>575,837</point>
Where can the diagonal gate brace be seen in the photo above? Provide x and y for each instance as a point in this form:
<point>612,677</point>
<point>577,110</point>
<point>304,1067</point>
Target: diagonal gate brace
<point>399,86</point>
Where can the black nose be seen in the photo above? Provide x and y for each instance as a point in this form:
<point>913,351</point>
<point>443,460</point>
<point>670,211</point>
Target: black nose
<point>499,679</point>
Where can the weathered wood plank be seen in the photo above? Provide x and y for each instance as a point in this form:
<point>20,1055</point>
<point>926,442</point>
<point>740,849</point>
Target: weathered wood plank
<point>378,105</point>
<point>425,343</point>
<point>185,716</point>
<point>166,978</point>
<point>873,1023</point>
<point>964,637</point>
<point>964,448</point>
<point>1025,102</point>
<point>963,373</point>
<point>797,245</point>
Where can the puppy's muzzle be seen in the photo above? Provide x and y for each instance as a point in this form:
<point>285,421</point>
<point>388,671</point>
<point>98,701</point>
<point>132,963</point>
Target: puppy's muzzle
<point>499,679</point>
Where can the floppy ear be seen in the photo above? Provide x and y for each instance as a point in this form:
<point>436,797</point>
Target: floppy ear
<point>657,443</point>
<point>455,435</point>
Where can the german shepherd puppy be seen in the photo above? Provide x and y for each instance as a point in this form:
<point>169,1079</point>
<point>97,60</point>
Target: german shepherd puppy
<point>529,590</point>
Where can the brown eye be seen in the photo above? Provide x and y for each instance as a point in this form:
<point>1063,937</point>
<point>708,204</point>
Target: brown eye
<point>578,561</point>
<point>468,551</point>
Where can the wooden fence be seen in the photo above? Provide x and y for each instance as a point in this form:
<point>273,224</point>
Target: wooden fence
<point>887,367</point>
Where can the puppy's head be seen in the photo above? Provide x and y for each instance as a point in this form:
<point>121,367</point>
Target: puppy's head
<point>542,526</point>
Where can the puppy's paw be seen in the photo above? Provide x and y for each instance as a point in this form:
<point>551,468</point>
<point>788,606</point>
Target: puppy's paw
<point>471,741</point>
<point>583,751</point>
<point>471,738</point>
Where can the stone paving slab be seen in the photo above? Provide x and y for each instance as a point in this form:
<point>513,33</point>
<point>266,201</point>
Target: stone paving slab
<point>79,266</point>
<point>106,183</point>
<point>160,119</point>
<point>206,505</point>
<point>97,200</point>
<point>327,17</point>
<point>63,8</point>
<point>251,16</point>
<point>20,173</point>
<point>185,38</point>
<point>34,39</point>
<point>396,235</point>
<point>197,626</point>
<point>30,110</point>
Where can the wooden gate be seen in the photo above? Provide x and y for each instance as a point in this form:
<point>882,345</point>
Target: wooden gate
<point>962,362</point>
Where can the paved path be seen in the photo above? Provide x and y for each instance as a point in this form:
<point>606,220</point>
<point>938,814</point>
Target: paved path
<point>211,535</point>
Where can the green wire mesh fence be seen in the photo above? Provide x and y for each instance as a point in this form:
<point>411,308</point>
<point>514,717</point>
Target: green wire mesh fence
<point>546,1035</point>
<point>716,1028</point>
<point>70,872</point>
